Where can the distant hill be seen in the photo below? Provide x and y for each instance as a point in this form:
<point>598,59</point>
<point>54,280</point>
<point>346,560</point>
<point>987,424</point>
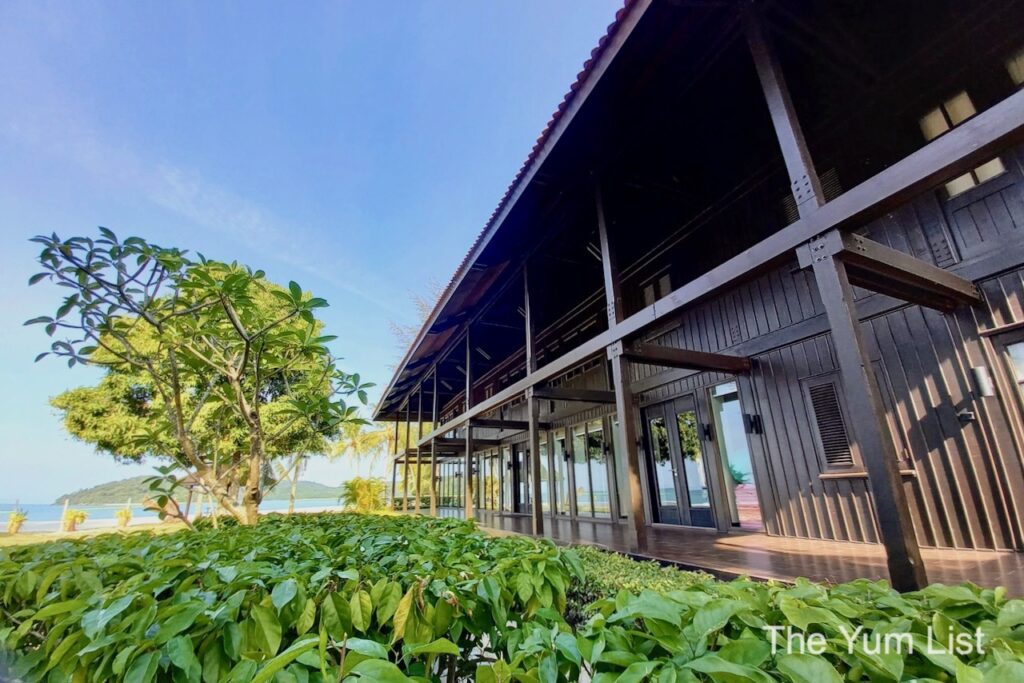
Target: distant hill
<point>118,492</point>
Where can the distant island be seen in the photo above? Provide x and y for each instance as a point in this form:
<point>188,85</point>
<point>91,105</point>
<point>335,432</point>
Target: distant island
<point>135,488</point>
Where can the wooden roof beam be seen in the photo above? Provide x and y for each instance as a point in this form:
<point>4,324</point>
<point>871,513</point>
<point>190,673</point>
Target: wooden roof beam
<point>670,357</point>
<point>881,269</point>
<point>571,394</point>
<point>487,423</point>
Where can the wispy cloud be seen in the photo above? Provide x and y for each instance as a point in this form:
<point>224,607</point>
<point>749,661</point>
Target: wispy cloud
<point>62,133</point>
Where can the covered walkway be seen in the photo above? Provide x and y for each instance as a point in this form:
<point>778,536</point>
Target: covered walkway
<point>770,557</point>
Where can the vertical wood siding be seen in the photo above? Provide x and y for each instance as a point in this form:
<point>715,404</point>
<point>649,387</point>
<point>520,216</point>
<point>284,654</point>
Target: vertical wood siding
<point>964,477</point>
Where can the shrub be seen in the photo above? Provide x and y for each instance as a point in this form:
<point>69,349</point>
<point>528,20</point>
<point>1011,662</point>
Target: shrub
<point>124,516</point>
<point>717,631</point>
<point>15,518</point>
<point>300,597</point>
<point>606,573</point>
<point>72,518</point>
<point>363,495</point>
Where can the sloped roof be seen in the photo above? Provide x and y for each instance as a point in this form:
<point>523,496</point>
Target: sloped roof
<point>584,77</point>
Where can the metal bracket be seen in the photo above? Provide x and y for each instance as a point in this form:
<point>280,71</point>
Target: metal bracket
<point>802,189</point>
<point>615,350</point>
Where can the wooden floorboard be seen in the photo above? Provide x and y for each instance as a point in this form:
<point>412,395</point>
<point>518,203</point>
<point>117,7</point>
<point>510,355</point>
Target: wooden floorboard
<point>771,557</point>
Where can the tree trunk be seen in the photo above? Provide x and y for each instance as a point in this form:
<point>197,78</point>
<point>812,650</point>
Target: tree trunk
<point>293,491</point>
<point>253,494</point>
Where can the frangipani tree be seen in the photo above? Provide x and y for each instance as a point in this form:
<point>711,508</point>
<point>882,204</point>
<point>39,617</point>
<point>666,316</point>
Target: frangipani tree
<point>221,361</point>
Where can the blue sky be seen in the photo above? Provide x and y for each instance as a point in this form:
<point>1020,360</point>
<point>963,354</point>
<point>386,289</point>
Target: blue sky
<point>354,147</point>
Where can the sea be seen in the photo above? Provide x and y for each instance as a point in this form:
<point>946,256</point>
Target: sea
<point>43,517</point>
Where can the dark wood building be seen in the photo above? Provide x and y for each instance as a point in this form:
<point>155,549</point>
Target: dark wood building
<point>763,270</point>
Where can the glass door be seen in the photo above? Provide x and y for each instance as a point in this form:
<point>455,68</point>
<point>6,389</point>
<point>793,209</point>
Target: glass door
<point>734,451</point>
<point>563,488</point>
<point>590,470</point>
<point>676,468</point>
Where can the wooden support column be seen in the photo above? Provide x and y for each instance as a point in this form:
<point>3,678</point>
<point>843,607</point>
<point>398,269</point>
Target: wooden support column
<point>394,468</point>
<point>405,483</point>
<point>628,439</point>
<point>433,451</point>
<point>419,460</point>
<point>467,474</point>
<point>802,176</point>
<point>870,426</point>
<point>533,416</point>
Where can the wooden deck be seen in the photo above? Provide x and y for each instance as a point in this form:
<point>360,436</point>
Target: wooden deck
<point>771,557</point>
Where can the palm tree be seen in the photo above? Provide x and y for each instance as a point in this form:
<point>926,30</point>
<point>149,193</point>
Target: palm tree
<point>362,442</point>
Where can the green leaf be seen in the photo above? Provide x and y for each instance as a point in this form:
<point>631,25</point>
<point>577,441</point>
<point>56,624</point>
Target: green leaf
<point>402,616</point>
<point>806,668</point>
<point>296,291</point>
<point>143,669</point>
<point>94,622</point>
<point>441,646</point>
<point>390,596</point>
<point>284,659</point>
<point>181,653</point>
<point>184,617</point>
<point>1005,672</point>
<point>367,648</point>
<point>283,593</point>
<point>269,628</point>
<point>308,616</point>
<point>379,671</point>
<point>361,610</point>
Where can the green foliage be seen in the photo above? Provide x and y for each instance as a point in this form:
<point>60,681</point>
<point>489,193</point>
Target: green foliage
<point>395,598</point>
<point>287,600</point>
<point>715,631</point>
<point>738,476</point>
<point>363,495</point>
<point>606,573</point>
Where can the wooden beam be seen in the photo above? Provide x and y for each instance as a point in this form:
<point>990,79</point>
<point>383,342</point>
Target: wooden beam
<point>515,425</point>
<point>803,178</point>
<point>468,459</point>
<point>571,394</point>
<point>419,461</point>
<point>670,357</point>
<point>870,427</point>
<point>972,142</point>
<point>882,269</point>
<point>533,414</point>
<point>628,445</point>
<point>433,452</point>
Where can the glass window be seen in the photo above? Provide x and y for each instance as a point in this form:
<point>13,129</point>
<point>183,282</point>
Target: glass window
<point>581,471</point>
<point>664,469</point>
<point>506,479</point>
<point>545,502</point>
<point>621,470</point>
<point>597,458</point>
<point>946,116</point>
<point>562,504</point>
<point>693,463</point>
<point>1015,352</point>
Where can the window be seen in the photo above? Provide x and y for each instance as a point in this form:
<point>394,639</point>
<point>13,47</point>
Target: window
<point>944,118</point>
<point>830,423</point>
<point>657,288</point>
<point>1015,357</point>
<point>1015,65</point>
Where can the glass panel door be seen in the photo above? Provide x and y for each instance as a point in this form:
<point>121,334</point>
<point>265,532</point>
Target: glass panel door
<point>581,472</point>
<point>545,473</point>
<point>598,462</point>
<point>661,470</point>
<point>563,506</point>
<point>694,479</point>
<point>734,451</point>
